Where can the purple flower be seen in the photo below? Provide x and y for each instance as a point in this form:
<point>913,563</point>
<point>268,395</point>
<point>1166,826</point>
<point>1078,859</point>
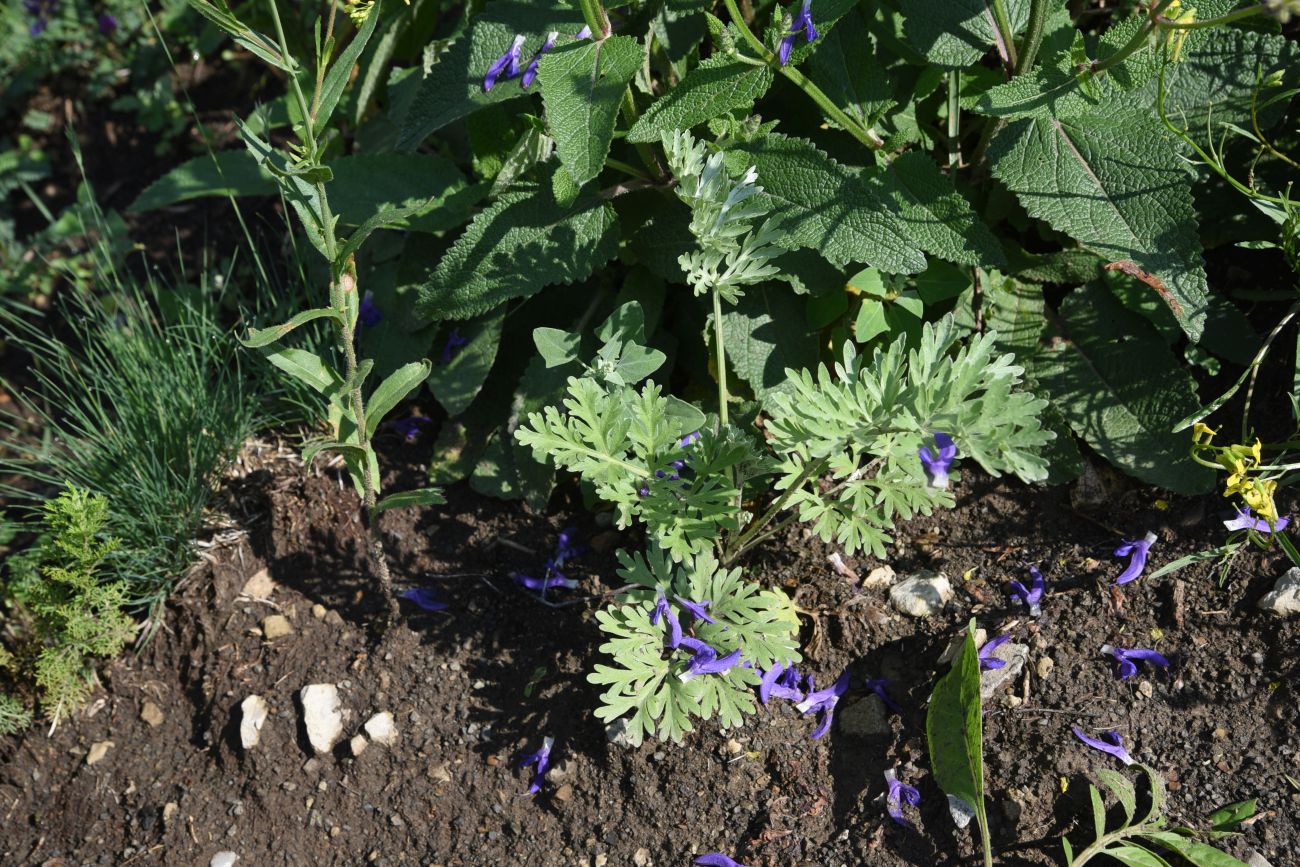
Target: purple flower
<point>541,758</point>
<point>1112,744</point>
<point>1137,554</point>
<point>697,608</point>
<point>507,64</point>
<point>451,348</point>
<point>1033,595</point>
<point>643,491</point>
<point>1246,521</point>
<point>898,794</point>
<point>664,610</point>
<point>780,681</point>
<point>584,33</point>
<point>423,597</point>
<point>409,428</point>
<point>823,701</point>
<point>937,462</point>
<point>802,23</point>
<point>717,859</point>
<point>554,578</point>
<point>1127,666</point>
<point>705,659</point>
<point>107,24</point>
<point>564,547</point>
<point>530,72</point>
<point>368,311</point>
<point>987,660</point>
<point>689,440</point>
<point>877,685</point>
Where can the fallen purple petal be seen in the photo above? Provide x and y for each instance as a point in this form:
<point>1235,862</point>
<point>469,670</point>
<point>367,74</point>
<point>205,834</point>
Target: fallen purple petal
<point>423,597</point>
<point>1244,520</point>
<point>988,661</point>
<point>717,859</point>
<point>1112,744</point>
<point>554,579</point>
<point>780,681</point>
<point>1031,596</point>
<point>1128,657</point>
<point>542,759</point>
<point>1136,551</point>
<point>877,685</point>
<point>664,610</point>
<point>697,609</point>
<point>705,660</point>
<point>823,701</point>
<point>899,793</point>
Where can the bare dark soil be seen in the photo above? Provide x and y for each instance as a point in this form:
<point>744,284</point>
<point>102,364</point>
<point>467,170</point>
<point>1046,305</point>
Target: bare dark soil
<point>474,687</point>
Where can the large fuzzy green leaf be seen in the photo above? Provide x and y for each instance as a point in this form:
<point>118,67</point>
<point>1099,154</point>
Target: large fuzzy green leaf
<point>717,86</point>
<point>452,85</point>
<point>520,244</point>
<point>1122,390</point>
<point>458,381</point>
<point>582,86</point>
<point>938,217</point>
<point>823,205</point>
<point>846,68</point>
<point>954,729</point>
<point>1112,180</point>
<point>766,333</point>
<point>955,33</point>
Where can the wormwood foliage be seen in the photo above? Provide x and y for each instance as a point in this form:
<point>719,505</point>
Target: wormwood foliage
<point>645,679</point>
<point>866,416</point>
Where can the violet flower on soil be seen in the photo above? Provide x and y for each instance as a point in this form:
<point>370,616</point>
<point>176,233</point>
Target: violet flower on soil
<point>553,578</point>
<point>368,311</point>
<point>823,701</point>
<point>802,23</point>
<point>507,64</point>
<point>717,859</point>
<point>409,428</point>
<point>1136,551</point>
<point>530,72</point>
<point>898,794</point>
<point>423,597</point>
<point>697,609</point>
<point>1032,595</point>
<point>988,661</point>
<point>781,681</point>
<point>1244,520</point>
<point>452,347</point>
<point>664,610</point>
<point>937,461</point>
<point>1110,742</point>
<point>1128,658</point>
<point>542,759</point>
<point>877,685</point>
<point>705,659</point>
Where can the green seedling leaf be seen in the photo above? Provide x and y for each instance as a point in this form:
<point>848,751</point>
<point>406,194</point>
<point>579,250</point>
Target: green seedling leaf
<point>582,86</point>
<point>393,389</point>
<point>1228,818</point>
<point>556,346</point>
<point>954,729</point>
<point>263,336</point>
<point>306,367</point>
<point>716,87</point>
<point>1195,852</point>
<point>406,499</point>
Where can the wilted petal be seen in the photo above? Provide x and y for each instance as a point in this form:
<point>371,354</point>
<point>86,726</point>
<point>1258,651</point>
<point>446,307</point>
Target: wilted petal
<point>987,660</point>
<point>717,859</point>
<point>663,609</point>
<point>877,685</point>
<point>1127,659</point>
<point>423,597</point>
<point>1136,551</point>
<point>1112,744</point>
<point>542,759</point>
<point>898,794</point>
<point>1244,520</point>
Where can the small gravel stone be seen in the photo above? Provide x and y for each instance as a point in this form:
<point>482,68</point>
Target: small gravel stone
<point>318,611</point>
<point>881,576</point>
<point>252,718</point>
<point>382,729</point>
<point>276,626</point>
<point>616,733</point>
<point>1015,656</point>
<point>358,744</point>
<point>260,586</point>
<point>322,716</point>
<point>1284,598</point>
<point>922,594</point>
<point>98,751</point>
<point>223,859</point>
<point>1045,666</point>
<point>151,714</point>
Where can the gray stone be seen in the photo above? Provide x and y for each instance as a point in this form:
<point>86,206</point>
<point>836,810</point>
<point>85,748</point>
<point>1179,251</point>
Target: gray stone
<point>1015,656</point>
<point>321,715</point>
<point>865,718</point>
<point>358,744</point>
<point>616,733</point>
<point>921,595</point>
<point>1284,598</point>
<point>382,729</point>
<point>252,717</point>
<point>223,859</point>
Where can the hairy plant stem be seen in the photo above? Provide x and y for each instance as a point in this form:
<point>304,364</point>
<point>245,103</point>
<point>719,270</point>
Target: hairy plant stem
<point>746,539</point>
<point>343,296</point>
<point>593,13</point>
<point>954,120</point>
<point>1033,36</point>
<point>865,135</point>
<point>1006,35</point>
<point>721,354</point>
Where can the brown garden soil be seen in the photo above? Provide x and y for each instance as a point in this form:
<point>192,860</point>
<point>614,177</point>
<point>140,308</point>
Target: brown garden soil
<point>476,686</point>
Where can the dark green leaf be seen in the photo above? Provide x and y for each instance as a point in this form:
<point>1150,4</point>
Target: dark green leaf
<point>456,383</point>
<point>393,389</point>
<point>765,333</point>
<point>955,33</point>
<point>306,367</point>
<point>263,336</point>
<point>582,86</point>
<point>716,87</point>
<point>936,216</point>
<point>954,728</point>
<point>846,67</point>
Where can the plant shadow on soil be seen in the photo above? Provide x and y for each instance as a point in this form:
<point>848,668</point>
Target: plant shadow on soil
<point>478,685</point>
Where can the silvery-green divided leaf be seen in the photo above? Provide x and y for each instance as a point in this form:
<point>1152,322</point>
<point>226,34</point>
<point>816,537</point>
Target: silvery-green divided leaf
<point>582,86</point>
<point>521,243</point>
<point>451,85</point>
<point>457,382</point>
<point>846,68</point>
<point>1128,419</point>
<point>825,206</point>
<point>954,730</point>
<point>767,332</point>
<point>936,216</point>
<point>1113,181</point>
<point>717,86</point>
<point>955,33</point>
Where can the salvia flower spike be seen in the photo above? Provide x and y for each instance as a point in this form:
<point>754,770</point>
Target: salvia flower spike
<point>1110,742</point>
<point>697,609</point>
<point>530,72</point>
<point>542,759</point>
<point>717,859</point>
<point>823,701</point>
<point>1032,595</point>
<point>937,461</point>
<point>1244,520</point>
<point>899,793</point>
<point>1128,659</point>
<point>781,681</point>
<point>664,610</point>
<point>425,598</point>
<point>506,65</point>
<point>1136,551</point>
<point>584,33</point>
<point>987,660</point>
<point>802,23</point>
<point>705,659</point>
<point>877,685</point>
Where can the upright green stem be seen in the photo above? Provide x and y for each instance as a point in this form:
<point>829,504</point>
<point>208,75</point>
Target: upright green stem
<point>866,136</point>
<point>303,107</point>
<point>597,19</point>
<point>986,842</point>
<point>954,120</point>
<point>1006,34</point>
<point>1033,36</point>
<point>721,355</point>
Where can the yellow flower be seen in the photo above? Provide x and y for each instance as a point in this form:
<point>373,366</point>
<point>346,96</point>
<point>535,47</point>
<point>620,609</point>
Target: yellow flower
<point>1202,434</point>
